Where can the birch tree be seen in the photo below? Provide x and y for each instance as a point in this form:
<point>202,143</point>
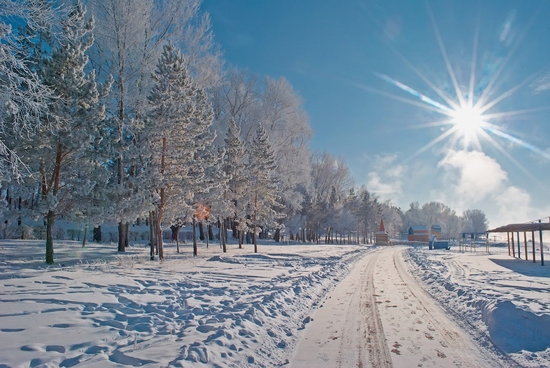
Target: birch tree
<point>287,125</point>
<point>23,96</point>
<point>475,220</point>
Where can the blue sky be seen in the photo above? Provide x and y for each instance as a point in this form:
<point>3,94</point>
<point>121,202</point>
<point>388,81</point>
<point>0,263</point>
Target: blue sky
<point>380,78</point>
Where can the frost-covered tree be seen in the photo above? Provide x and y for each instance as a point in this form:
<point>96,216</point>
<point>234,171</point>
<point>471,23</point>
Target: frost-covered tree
<point>248,99</point>
<point>329,172</point>
<point>68,156</point>
<point>287,125</point>
<point>433,213</point>
<point>329,177</point>
<point>368,213</point>
<point>23,96</point>
<point>392,218</point>
<point>263,196</point>
<point>179,134</point>
<point>130,38</point>
<point>238,185</point>
<point>237,99</point>
<point>474,221</point>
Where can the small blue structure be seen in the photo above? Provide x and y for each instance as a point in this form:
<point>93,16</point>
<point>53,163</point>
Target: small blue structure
<point>438,244</point>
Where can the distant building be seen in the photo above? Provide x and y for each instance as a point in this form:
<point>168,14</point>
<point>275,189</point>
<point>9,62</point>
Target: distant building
<point>381,237</point>
<point>419,233</point>
<point>436,231</point>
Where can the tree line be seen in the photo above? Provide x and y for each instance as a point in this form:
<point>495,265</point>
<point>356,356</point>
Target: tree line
<point>118,111</point>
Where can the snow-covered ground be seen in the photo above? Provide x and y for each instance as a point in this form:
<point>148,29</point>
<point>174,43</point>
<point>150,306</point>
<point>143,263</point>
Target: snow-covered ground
<point>497,298</point>
<point>97,308</point>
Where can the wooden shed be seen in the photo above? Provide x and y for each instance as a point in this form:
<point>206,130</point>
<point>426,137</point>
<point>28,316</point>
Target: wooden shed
<point>419,233</point>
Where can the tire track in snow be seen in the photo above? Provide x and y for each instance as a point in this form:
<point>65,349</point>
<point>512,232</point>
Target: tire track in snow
<point>377,348</point>
<point>346,330</point>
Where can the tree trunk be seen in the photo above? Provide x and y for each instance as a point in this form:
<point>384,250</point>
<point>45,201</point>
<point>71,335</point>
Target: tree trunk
<point>226,224</point>
<point>195,249</point>
<point>123,231</point>
<point>50,219</point>
<point>162,201</point>
<point>210,232</point>
<point>176,236</point>
<point>254,221</point>
<point>85,235</point>
<point>201,231</point>
<point>152,240</point>
<point>97,234</point>
<point>277,236</point>
<point>223,236</point>
<point>160,246</point>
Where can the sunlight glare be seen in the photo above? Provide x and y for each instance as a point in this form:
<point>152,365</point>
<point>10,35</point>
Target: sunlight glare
<point>468,123</point>
<point>468,120</point>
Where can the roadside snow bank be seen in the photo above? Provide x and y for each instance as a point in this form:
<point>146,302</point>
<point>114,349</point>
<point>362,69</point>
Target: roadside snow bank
<point>503,302</point>
<point>515,330</point>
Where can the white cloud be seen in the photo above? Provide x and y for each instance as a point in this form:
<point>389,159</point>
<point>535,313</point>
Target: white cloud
<point>471,175</point>
<point>386,180</point>
<point>474,180</point>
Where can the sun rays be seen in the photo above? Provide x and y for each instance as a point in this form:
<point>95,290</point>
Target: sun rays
<point>470,113</point>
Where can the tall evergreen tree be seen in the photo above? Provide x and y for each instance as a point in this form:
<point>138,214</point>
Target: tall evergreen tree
<point>264,199</point>
<point>234,167</point>
<point>67,155</point>
<point>130,38</point>
<point>179,133</point>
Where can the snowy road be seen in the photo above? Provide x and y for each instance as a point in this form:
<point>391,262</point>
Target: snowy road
<point>379,316</point>
<point>291,305</point>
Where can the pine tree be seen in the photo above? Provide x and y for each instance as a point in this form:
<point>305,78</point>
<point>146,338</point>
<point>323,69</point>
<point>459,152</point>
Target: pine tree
<point>263,200</point>
<point>210,194</point>
<point>129,41</point>
<point>234,167</point>
<point>179,133</point>
<point>68,154</point>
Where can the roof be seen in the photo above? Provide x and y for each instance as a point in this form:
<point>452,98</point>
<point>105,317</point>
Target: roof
<point>419,227</point>
<point>382,228</point>
<point>521,227</point>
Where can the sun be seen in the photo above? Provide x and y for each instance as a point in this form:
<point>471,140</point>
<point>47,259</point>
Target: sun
<point>468,123</point>
<point>468,119</point>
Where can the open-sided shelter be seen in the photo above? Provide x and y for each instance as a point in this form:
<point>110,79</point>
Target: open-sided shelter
<point>516,229</point>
